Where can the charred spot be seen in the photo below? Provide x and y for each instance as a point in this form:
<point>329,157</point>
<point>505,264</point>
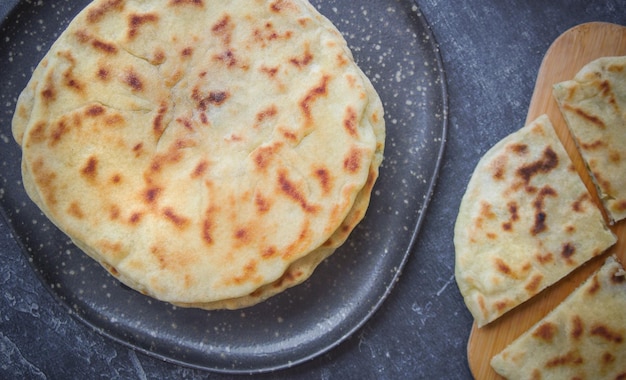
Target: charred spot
<point>185,122</point>
<point>519,149</point>
<point>226,57</point>
<point>269,71</point>
<point>607,358</point>
<point>605,333</point>
<point>200,169</point>
<point>502,267</point>
<point>316,92</point>
<point>216,98</point>
<point>75,210</point>
<point>241,234</point>
<point>151,194</point>
<point>198,3</point>
<point>595,285</point>
<point>533,285</point>
<point>135,21</point>
<point>568,251</point>
<point>58,131</point>
<point>262,204</point>
<point>135,217</point>
<point>291,190</point>
<point>577,327</point>
<point>96,13</point>
<point>499,168</point>
<point>49,93</point>
<point>177,220</point>
<point>545,331</point>
<point>545,258</point>
<point>206,231</point>
<point>352,162</point>
<point>267,113</point>
<point>90,170</point>
<point>545,164</point>
<point>350,122</point>
<point>132,79</point>
<point>592,119</point>
<point>114,212</point>
<point>116,179</point>
<point>103,74</point>
<point>323,176</point>
<point>72,82</point>
<point>187,52</point>
<point>269,252</point>
<point>618,278</point>
<point>570,358</point>
<point>157,124</point>
<point>577,206</point>
<point>303,60</point>
<point>103,46</point>
<point>540,216</point>
<point>593,145</point>
<point>137,149</point>
<point>95,110</point>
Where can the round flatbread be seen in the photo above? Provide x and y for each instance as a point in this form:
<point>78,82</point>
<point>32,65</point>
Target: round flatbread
<point>525,221</point>
<point>198,149</point>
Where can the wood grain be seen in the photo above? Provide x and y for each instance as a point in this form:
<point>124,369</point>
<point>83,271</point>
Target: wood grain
<point>565,57</point>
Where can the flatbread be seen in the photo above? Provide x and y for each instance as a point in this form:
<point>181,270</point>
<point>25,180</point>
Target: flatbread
<point>594,107</point>
<point>200,149</point>
<point>582,338</point>
<point>525,221</point>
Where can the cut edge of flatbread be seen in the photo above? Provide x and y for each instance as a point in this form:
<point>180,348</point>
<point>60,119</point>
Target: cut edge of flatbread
<point>593,105</point>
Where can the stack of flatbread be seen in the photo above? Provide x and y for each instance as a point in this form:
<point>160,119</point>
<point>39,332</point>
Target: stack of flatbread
<point>207,153</point>
<point>527,220</point>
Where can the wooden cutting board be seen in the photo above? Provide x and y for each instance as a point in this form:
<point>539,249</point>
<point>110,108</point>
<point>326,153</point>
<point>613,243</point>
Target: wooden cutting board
<point>565,57</point>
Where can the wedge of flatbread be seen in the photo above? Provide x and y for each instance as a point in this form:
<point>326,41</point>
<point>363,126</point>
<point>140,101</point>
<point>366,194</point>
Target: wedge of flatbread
<point>594,107</point>
<point>582,338</point>
<point>525,221</point>
<point>207,153</point>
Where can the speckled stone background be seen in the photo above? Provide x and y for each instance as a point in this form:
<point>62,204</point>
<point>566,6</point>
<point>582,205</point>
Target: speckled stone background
<point>491,52</point>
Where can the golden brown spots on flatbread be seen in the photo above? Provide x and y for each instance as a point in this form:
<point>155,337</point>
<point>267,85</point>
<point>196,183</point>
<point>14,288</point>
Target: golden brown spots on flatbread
<point>540,215</point>
<point>498,168</point>
<point>269,71</point>
<point>352,162</point>
<point>49,92</point>
<point>502,304</point>
<point>545,258</point>
<point>592,119</point>
<point>568,359</point>
<point>152,194</point>
<point>568,251</point>
<point>179,221</point>
<point>94,110</point>
<point>303,60</point>
<point>578,204</point>
<point>262,203</point>
<point>136,21</point>
<point>350,122</point>
<point>577,327</point>
<point>198,3</point>
<point>289,188</point>
<point>75,210</point>
<point>90,169</point>
<point>96,14</point>
<point>545,331</point>
<point>594,286</point>
<point>104,46</point>
<point>59,129</point>
<point>607,358</point>
<point>545,164</point>
<point>200,169</point>
<point>157,124</point>
<point>324,179</point>
<point>502,267</point>
<point>533,284</point>
<point>280,5</point>
<point>518,149</point>
<point>133,80</point>
<point>37,134</point>
<point>114,212</point>
<point>103,74</point>
<point>598,144</point>
<point>604,332</point>
<point>316,92</point>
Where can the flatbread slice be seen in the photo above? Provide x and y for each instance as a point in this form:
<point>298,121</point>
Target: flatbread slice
<point>199,149</point>
<point>594,107</point>
<point>526,220</point>
<point>582,338</point>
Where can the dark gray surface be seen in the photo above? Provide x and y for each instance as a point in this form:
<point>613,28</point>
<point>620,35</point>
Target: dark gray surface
<point>491,50</point>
